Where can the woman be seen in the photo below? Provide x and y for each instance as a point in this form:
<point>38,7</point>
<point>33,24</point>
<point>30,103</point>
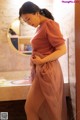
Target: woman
<point>45,97</point>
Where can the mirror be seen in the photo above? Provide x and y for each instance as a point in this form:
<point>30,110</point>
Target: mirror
<point>19,36</point>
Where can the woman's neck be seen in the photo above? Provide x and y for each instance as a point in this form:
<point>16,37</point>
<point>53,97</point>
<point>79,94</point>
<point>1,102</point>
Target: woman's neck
<point>42,19</point>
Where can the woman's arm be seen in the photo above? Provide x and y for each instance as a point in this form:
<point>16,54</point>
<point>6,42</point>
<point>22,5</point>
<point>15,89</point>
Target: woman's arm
<point>61,50</point>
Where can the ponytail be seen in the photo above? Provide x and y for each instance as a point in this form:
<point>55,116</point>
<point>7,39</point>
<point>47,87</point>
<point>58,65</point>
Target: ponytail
<point>46,13</point>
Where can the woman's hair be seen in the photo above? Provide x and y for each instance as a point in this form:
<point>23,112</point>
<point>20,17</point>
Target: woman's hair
<point>29,7</point>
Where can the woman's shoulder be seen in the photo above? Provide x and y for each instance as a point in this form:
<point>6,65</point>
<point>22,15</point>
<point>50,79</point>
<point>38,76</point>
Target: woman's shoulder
<point>51,23</point>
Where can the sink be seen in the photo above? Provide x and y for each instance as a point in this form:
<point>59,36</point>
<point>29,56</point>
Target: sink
<point>9,83</point>
<point>21,82</point>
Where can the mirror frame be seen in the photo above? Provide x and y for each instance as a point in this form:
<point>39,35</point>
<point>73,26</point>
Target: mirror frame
<point>19,38</point>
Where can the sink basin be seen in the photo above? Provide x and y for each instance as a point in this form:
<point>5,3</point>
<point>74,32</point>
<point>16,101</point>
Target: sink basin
<point>10,83</point>
<point>21,82</point>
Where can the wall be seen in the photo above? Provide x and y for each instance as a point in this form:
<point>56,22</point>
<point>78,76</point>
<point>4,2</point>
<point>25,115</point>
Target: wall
<point>9,59</point>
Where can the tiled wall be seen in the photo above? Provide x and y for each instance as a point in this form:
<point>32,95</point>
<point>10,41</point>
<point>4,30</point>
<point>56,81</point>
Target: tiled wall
<point>9,59</point>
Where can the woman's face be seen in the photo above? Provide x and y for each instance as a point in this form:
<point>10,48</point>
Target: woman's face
<point>31,19</point>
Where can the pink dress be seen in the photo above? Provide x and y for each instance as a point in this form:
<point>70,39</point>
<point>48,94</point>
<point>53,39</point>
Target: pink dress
<point>46,93</point>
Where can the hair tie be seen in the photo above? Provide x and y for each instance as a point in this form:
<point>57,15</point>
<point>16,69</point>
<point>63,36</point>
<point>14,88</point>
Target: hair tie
<point>42,12</point>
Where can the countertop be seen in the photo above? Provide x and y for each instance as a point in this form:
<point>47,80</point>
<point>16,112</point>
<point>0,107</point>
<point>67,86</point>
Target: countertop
<point>15,85</point>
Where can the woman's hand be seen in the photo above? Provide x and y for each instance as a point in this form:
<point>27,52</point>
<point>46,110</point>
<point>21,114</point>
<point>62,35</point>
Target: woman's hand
<point>59,51</point>
<point>37,60</point>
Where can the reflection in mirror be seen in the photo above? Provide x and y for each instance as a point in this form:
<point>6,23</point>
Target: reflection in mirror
<point>13,38</point>
<point>19,35</point>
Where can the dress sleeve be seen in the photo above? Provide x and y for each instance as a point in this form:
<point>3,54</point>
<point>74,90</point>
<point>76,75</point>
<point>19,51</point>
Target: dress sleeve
<point>54,34</point>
